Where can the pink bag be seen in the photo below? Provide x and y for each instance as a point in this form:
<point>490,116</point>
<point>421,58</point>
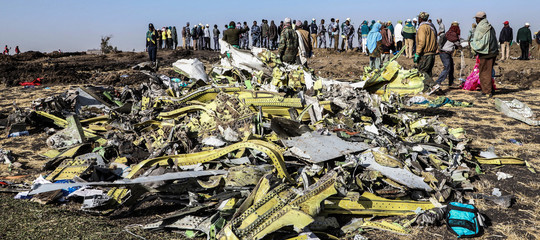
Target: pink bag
<point>473,80</point>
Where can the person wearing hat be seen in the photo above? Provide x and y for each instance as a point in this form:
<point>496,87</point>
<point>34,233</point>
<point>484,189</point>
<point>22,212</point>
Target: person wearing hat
<point>390,27</point>
<point>409,34</point>
<point>348,33</point>
<point>151,43</point>
<point>365,31</point>
<point>484,45</point>
<point>505,38</point>
<point>313,31</point>
<point>335,34</point>
<point>304,43</point>
<point>288,43</point>
<point>321,32</point>
<point>426,45</point>
<point>524,39</point>
<point>398,37</point>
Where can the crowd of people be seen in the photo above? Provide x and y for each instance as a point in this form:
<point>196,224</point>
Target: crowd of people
<point>380,40</point>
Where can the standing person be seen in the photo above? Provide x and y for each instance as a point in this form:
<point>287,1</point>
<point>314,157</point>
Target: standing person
<point>207,37</point>
<point>195,37</point>
<point>372,24</point>
<point>484,44</point>
<point>200,32</point>
<point>345,37</point>
<point>151,43</point>
<point>524,39</point>
<point>280,29</point>
<point>164,38</point>
<point>350,36</point>
<point>170,37</point>
<point>387,43</point>
<point>174,37</point>
<point>336,34</point>
<point>415,23</point>
<point>537,39</point>
<point>265,33</point>
<point>288,43</point>
<point>409,34</point>
<point>398,36</point>
<point>331,31</point>
<point>505,38</point>
<point>245,37</point>
<point>321,32</point>
<point>216,37</point>
<point>6,50</point>
<point>158,39</point>
<point>313,31</point>
<point>232,35</point>
<point>449,42</point>
<point>365,31</point>
<point>442,28</point>
<point>255,35</point>
<point>273,35</point>
<point>304,43</point>
<point>305,26</point>
<point>374,43</point>
<point>17,51</point>
<point>390,27</point>
<point>186,36</point>
<point>426,44</point>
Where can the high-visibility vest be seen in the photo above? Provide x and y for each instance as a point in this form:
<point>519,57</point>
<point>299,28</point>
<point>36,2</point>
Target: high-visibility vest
<point>169,33</point>
<point>164,35</point>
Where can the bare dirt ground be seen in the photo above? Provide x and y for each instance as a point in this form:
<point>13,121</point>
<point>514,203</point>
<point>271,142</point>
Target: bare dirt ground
<point>482,122</point>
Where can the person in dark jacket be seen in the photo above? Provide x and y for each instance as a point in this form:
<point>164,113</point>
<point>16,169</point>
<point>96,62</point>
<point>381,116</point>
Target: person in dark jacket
<point>216,33</point>
<point>288,43</point>
<point>313,32</point>
<point>232,35</point>
<point>524,39</point>
<point>151,43</point>
<point>273,35</point>
<point>505,38</point>
<point>265,29</point>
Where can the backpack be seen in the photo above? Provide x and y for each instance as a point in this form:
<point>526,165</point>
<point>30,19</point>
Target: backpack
<point>463,220</point>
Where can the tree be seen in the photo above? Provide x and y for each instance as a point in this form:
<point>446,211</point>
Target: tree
<point>105,47</point>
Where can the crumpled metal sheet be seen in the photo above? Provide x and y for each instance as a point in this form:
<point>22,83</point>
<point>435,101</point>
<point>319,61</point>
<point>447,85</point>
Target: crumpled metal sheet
<point>316,147</point>
<point>41,188</point>
<point>518,110</point>
<point>400,175</point>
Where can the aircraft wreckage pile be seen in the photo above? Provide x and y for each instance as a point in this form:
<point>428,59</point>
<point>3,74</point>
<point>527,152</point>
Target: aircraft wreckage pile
<point>257,149</point>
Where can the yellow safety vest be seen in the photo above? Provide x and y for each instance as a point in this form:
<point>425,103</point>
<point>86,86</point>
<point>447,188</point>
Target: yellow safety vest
<point>164,35</point>
<point>169,34</point>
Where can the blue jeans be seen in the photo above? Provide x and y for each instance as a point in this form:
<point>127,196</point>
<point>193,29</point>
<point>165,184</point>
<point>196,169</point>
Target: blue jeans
<point>448,71</point>
<point>256,41</point>
<point>152,52</point>
<point>216,43</point>
<point>264,42</point>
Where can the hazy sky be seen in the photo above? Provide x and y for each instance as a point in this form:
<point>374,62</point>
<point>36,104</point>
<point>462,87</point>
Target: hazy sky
<point>78,25</point>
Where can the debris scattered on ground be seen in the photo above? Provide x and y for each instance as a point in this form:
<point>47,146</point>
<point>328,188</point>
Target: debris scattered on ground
<point>257,148</point>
